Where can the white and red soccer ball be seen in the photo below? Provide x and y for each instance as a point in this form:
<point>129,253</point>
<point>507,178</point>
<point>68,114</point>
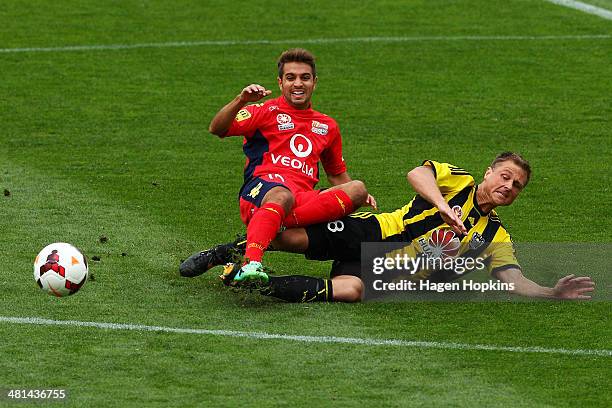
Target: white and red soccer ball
<point>60,269</point>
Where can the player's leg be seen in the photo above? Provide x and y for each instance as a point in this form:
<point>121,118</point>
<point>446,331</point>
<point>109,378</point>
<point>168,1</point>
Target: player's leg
<point>345,285</point>
<point>340,240</point>
<point>355,189</point>
<point>262,227</point>
<point>347,288</point>
<point>263,205</point>
<point>315,207</point>
<point>294,240</point>
<point>266,221</point>
<point>305,289</point>
<point>221,254</point>
<point>346,281</point>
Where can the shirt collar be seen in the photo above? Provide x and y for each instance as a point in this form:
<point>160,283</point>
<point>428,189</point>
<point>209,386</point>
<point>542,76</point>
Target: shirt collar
<point>476,206</point>
<point>282,102</point>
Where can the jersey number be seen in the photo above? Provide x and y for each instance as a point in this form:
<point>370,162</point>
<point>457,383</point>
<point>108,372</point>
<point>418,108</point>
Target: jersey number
<point>276,175</point>
<point>335,226</point>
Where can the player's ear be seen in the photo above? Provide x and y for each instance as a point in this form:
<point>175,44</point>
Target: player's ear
<point>488,172</point>
<point>316,79</point>
<point>280,83</point>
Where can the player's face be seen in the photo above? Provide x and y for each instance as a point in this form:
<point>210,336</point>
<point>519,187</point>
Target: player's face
<point>503,183</point>
<point>297,84</point>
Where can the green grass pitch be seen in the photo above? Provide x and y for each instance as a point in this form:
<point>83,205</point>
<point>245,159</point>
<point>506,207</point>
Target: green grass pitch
<point>114,143</point>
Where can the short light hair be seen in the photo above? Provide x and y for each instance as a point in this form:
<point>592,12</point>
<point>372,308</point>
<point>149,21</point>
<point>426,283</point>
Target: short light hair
<point>516,159</point>
<point>296,55</point>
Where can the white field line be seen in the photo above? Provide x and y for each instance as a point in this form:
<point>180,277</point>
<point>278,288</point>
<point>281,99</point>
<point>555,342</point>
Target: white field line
<point>303,41</point>
<point>306,339</point>
<point>584,7</point>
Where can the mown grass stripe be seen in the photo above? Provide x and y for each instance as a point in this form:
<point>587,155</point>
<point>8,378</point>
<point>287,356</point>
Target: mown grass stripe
<point>307,339</point>
<point>174,44</point>
<point>584,7</point>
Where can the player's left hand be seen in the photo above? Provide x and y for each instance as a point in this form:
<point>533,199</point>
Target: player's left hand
<point>371,201</point>
<point>572,287</point>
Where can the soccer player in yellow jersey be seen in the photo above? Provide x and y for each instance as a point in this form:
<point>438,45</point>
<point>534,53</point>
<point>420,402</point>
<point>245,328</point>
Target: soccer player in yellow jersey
<point>450,213</point>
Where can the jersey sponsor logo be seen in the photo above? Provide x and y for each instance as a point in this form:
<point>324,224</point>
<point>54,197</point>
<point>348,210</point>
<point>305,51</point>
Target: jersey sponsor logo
<point>458,210</point>
<point>301,146</point>
<point>319,128</point>
<point>284,122</point>
<point>255,190</point>
<point>272,107</point>
<point>297,146</point>
<point>293,163</point>
<point>242,114</point>
<point>476,241</point>
<point>442,243</point>
<point>283,118</point>
<point>286,126</point>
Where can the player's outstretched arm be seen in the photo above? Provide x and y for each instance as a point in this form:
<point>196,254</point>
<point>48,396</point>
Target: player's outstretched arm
<point>568,288</point>
<point>423,181</point>
<point>222,121</point>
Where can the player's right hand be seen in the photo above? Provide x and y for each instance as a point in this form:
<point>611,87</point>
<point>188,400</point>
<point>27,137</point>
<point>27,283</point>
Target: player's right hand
<point>572,287</point>
<point>253,93</point>
<point>452,219</point>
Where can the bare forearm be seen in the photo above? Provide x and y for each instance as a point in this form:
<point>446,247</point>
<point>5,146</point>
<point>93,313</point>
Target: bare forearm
<point>527,287</point>
<point>570,287</point>
<point>423,182</point>
<point>524,286</point>
<point>339,179</point>
<point>222,121</point>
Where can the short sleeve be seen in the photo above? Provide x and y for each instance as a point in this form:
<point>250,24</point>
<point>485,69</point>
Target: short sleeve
<point>332,159</point>
<point>501,253</point>
<point>247,120</point>
<point>449,178</point>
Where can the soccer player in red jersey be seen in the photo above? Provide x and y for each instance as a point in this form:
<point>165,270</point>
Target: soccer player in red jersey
<point>284,141</point>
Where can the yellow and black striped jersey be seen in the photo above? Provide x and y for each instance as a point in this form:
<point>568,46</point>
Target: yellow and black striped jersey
<point>420,222</point>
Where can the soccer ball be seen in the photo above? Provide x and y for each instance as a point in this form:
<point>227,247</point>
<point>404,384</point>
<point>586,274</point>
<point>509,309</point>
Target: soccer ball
<point>60,269</point>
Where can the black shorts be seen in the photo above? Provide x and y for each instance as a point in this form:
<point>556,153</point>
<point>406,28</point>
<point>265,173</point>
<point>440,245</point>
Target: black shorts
<point>339,268</point>
<point>341,240</point>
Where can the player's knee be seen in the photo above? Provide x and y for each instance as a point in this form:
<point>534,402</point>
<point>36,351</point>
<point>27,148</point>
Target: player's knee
<point>347,289</point>
<point>280,196</point>
<point>358,193</point>
<point>354,294</point>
